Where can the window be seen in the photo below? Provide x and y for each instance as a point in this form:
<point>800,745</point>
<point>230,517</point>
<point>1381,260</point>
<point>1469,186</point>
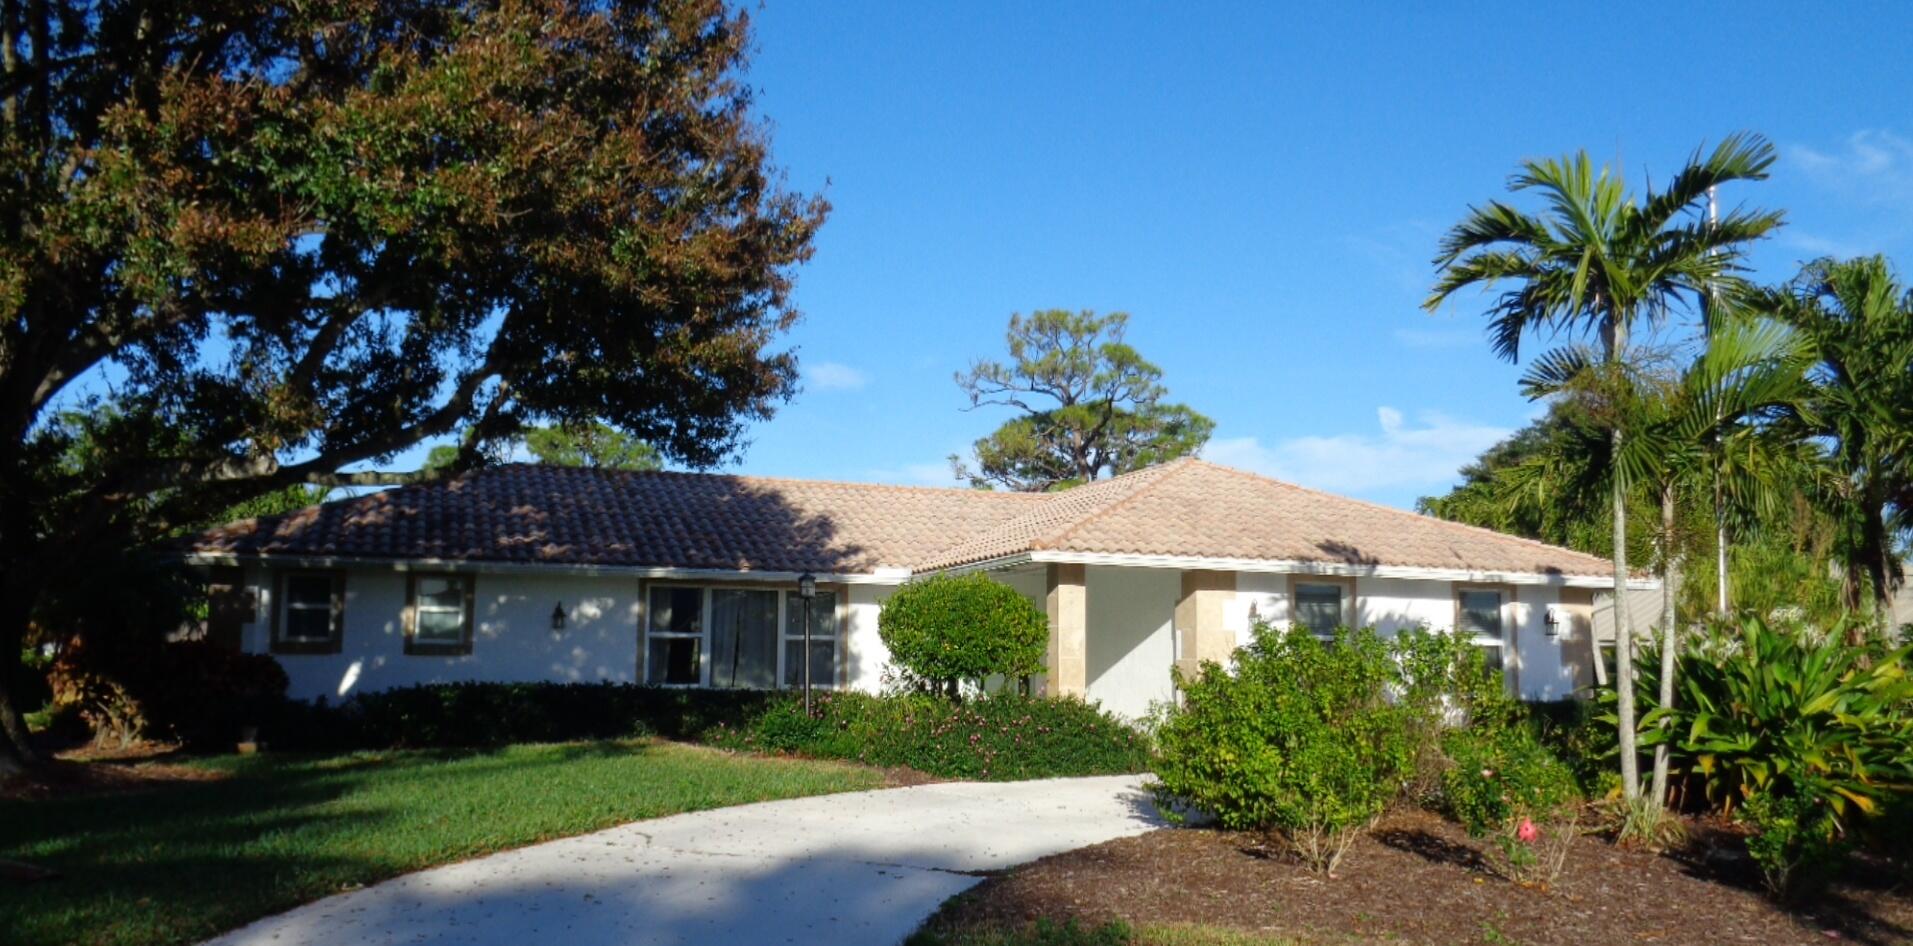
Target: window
<point>738,637</point>
<point>440,620</point>
<point>1479,615</point>
<point>309,618</point>
<point>823,640</point>
<point>1320,606</point>
<point>676,637</point>
<point>743,638</point>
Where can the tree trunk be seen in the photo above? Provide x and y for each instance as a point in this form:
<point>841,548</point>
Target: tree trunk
<point>1721,602</point>
<point>1670,593</point>
<point>1624,642</point>
<point>16,749</point>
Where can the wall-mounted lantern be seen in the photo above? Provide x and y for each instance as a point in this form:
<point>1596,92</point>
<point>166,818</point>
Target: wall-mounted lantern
<point>1553,621</point>
<point>558,616</point>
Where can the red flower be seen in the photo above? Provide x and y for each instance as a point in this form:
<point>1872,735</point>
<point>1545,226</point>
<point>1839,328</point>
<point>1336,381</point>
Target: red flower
<point>1527,832</point>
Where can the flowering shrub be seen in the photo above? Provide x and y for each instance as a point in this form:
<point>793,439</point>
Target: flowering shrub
<point>1498,778</point>
<point>1301,741</point>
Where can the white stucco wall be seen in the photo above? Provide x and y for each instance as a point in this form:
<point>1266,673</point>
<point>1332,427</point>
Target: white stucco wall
<point>1131,637</point>
<point>865,656</point>
<point>1131,640</point>
<point>512,636</point>
<point>1390,605</point>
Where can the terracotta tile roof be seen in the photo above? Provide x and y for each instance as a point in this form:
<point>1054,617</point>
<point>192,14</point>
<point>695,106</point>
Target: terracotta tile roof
<point>525,513</point>
<point>1199,509</point>
<point>558,515</point>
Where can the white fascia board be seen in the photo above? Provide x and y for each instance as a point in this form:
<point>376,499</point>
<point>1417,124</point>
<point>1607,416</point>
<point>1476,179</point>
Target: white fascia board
<point>882,576</point>
<point>1197,563</point>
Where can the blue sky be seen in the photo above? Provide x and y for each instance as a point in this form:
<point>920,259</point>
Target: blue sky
<point>1261,188</point>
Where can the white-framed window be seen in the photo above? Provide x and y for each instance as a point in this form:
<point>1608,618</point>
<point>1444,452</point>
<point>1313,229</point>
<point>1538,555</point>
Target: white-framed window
<point>823,640</point>
<point>742,637</point>
<point>439,614</point>
<point>674,636</point>
<point>309,617</point>
<point>1478,614</point>
<point>1321,604</point>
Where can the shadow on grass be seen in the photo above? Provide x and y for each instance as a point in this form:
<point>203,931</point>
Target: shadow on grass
<point>183,863</point>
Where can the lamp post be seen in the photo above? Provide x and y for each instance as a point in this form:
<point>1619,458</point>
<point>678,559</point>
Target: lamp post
<point>807,589</point>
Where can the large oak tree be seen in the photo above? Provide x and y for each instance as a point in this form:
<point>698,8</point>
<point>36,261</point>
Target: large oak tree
<point>287,241</point>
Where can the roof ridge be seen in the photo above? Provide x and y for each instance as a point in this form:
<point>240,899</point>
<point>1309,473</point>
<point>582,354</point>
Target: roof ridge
<point>1419,517</point>
<point>1163,472</point>
<point>754,478</point>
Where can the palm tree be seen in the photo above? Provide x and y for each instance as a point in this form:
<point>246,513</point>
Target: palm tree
<point>1752,372</point>
<point>1597,259</point>
<point>1859,318</point>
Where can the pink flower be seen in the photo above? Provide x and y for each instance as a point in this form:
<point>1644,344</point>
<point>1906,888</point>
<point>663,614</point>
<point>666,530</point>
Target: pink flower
<point>1527,832</point>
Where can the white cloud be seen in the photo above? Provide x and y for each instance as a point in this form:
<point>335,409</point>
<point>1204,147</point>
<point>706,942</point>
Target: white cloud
<point>1420,456</point>
<point>834,376</point>
<point>1875,166</point>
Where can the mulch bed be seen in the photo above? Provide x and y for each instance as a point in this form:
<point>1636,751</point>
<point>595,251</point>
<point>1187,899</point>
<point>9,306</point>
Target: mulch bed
<point>97,771</point>
<point>1420,879</point>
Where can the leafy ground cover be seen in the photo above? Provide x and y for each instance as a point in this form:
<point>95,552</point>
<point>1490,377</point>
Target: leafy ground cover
<point>1416,879</point>
<point>265,833</point>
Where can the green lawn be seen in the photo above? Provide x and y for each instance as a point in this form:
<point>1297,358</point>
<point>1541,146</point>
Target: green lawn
<point>176,865</point>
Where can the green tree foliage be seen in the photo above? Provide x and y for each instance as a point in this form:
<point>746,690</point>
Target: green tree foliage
<point>591,444</point>
<point>303,237</point>
<point>1859,318</point>
<point>1599,259</point>
<point>1091,406</point>
<point>950,629</point>
<point>595,445</point>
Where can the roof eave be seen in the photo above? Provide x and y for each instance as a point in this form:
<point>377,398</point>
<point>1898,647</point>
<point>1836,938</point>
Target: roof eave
<point>1278,566</point>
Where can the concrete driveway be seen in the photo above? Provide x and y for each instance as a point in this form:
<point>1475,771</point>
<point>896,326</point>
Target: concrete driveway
<point>859,869</point>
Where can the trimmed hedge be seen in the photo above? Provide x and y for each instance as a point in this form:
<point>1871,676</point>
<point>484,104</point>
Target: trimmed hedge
<point>457,715</point>
<point>1001,737</point>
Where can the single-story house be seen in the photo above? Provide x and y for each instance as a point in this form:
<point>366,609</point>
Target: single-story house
<point>526,572</point>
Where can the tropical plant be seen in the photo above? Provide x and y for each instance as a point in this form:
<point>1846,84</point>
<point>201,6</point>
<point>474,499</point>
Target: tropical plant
<point>1859,318</point>
<point>946,630</point>
<point>1091,406</point>
<point>1599,259</point>
<point>1791,710</point>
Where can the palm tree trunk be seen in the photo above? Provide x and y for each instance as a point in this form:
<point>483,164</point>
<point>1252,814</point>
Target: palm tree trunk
<point>1624,642</point>
<point>1670,591</point>
<point>1721,604</point>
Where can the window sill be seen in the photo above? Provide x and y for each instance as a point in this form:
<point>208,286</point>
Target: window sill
<point>305,647</point>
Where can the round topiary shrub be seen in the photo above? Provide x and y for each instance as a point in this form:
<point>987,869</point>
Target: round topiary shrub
<point>949,629</point>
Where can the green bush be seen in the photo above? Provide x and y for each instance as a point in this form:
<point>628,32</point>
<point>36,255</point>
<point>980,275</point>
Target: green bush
<point>1498,777</point>
<point>1797,842</point>
<point>950,629</point>
<point>1300,740</point>
<point>997,737</point>
<point>194,692</point>
<point>1793,712</point>
<point>491,714</point>
<point>1003,736</point>
<point>1584,739</point>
